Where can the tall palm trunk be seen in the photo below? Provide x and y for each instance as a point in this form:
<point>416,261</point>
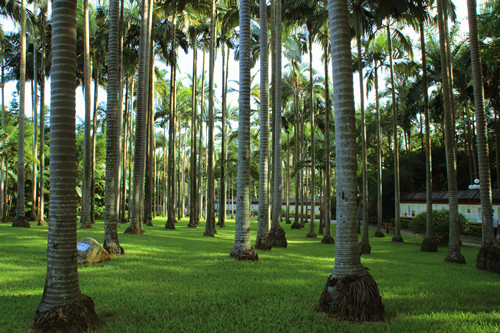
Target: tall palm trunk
<point>428,244</point>
<point>365,247</point>
<point>140,129</point>
<point>397,214</point>
<point>296,158</point>
<point>35,133</point>
<point>199,205</point>
<point>454,254</point>
<point>261,242</point>
<point>210,224</point>
<point>150,147</point>
<point>327,237</point>
<point>20,219</point>
<point>276,236</point>
<point>489,253</point>
<point>222,205</point>
<point>2,161</point>
<point>111,243</point>
<point>86,140</point>
<point>63,307</point>
<point>242,248</point>
<point>378,232</point>
<point>194,114</point>
<point>312,233</point>
<point>94,138</point>
<point>350,292</point>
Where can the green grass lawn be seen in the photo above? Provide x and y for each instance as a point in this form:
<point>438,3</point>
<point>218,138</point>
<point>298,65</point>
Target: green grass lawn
<point>180,281</point>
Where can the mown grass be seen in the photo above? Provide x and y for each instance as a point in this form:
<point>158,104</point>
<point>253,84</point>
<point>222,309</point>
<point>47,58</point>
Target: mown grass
<point>180,281</point>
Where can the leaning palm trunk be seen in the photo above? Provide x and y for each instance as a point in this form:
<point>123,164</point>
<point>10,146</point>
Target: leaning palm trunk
<point>86,139</point>
<point>454,255</point>
<point>63,306</point>
<point>242,248</point>
<point>263,224</point>
<point>276,236</point>
<point>488,257</point>
<point>350,292</point>
<point>20,219</point>
<point>428,244</point>
<point>111,243</point>
<point>210,214</point>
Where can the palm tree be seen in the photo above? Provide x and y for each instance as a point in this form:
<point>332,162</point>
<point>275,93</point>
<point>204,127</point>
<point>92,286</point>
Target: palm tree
<point>454,255</point>
<point>41,205</point>
<point>86,143</point>
<point>20,220</point>
<point>140,129</point>
<point>276,236</point>
<point>111,243</point>
<point>242,248</point>
<point>350,292</point>
<point>63,307</point>
<point>489,253</point>
<point>193,188</point>
<point>263,224</point>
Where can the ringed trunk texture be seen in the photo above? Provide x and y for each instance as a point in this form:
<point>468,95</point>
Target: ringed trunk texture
<point>350,292</point>
<point>63,307</point>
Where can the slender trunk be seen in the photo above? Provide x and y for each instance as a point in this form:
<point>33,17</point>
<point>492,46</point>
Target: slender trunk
<point>126,134</point>
<point>20,219</point>
<point>210,224</point>
<point>397,232</point>
<point>85,221</point>
<point>327,238</point>
<point>288,178</point>
<point>2,161</point>
<point>378,232</point>
<point>222,201</point>
<point>261,241</point>
<point>200,159</point>
<point>242,249</point>
<point>428,245</point>
<point>312,233</point>
<point>148,186</point>
<point>193,197</point>
<point>35,133</point>
<point>94,138</point>
<point>120,110</point>
<point>482,135</point>
<point>454,254</point>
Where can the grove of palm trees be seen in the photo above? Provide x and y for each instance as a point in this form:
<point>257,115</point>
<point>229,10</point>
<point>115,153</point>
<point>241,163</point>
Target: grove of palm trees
<point>182,135</point>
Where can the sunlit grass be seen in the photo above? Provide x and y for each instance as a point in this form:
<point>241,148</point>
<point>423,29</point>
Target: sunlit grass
<point>180,281</point>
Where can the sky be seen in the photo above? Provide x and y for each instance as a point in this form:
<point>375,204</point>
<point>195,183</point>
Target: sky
<point>186,66</point>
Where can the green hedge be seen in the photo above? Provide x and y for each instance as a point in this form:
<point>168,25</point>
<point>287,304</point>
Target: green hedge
<point>440,224</point>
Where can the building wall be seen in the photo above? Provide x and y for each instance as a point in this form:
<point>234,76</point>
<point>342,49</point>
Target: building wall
<point>472,212</point>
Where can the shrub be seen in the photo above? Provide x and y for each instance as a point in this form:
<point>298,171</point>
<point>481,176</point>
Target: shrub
<point>440,224</point>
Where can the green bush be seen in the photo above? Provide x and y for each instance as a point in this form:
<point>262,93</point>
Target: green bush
<point>440,224</point>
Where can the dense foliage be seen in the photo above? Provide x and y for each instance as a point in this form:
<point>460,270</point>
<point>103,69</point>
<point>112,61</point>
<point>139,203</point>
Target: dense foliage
<point>440,224</point>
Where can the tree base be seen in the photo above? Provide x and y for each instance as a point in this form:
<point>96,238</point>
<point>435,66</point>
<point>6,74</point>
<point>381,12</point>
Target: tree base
<point>379,234</point>
<point>148,223</point>
<point>78,316</point>
<point>262,244</point>
<point>296,225</point>
<point>328,239</point>
<point>113,248</point>
<point>397,239</point>
<point>352,298</point>
<point>311,234</point>
<point>428,245</point>
<point>209,233</point>
<point>223,225</point>
<point>454,256</point>
<point>192,224</point>
<point>246,254</point>
<point>170,224</point>
<point>134,231</point>
<point>287,221</point>
<point>488,258</point>
<point>85,226</point>
<point>20,222</point>
<point>41,223</point>
<point>276,237</point>
<point>365,248</point>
